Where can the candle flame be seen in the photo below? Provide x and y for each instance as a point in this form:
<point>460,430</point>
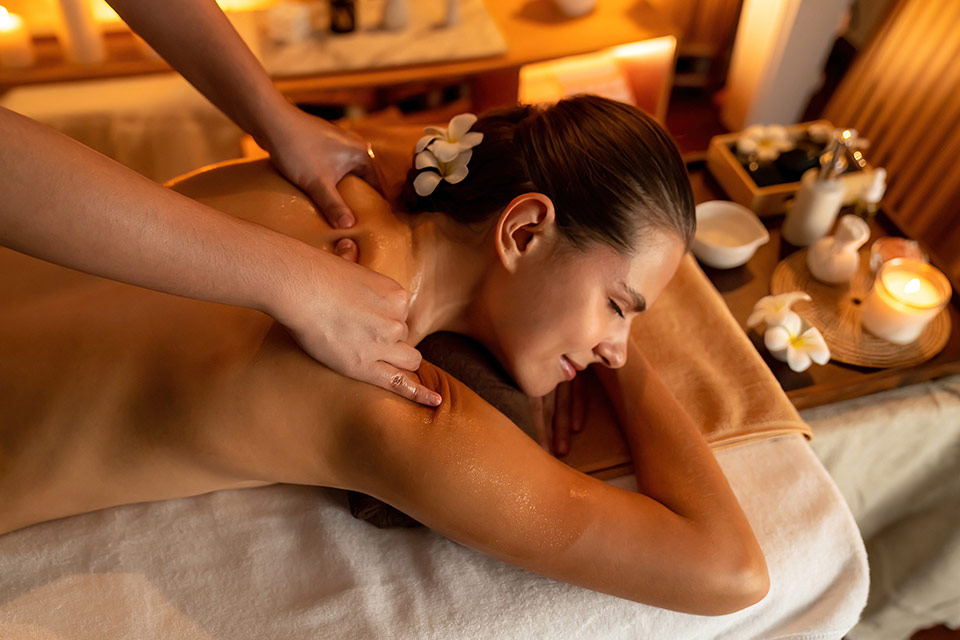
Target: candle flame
<point>913,286</point>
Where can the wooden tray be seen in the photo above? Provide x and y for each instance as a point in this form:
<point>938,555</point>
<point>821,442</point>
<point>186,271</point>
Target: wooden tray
<point>835,310</point>
<point>771,200</point>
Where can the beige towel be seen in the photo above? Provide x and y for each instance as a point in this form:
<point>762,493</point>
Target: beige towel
<point>703,356</point>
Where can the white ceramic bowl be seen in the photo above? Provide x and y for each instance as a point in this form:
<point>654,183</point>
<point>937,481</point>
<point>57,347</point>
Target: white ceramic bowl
<point>728,234</point>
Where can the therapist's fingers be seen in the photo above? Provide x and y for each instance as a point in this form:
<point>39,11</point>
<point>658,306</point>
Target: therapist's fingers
<point>347,249</point>
<point>405,357</point>
<point>561,420</point>
<point>336,212</point>
<point>403,384</point>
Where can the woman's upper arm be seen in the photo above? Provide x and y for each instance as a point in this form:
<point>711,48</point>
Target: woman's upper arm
<point>467,472</point>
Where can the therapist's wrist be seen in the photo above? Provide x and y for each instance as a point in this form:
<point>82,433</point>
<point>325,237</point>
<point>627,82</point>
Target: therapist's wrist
<point>275,124</point>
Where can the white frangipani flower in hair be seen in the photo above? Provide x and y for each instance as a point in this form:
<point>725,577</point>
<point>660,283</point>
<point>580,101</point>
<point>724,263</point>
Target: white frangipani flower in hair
<point>767,142</point>
<point>457,137</point>
<point>446,150</point>
<point>773,309</point>
<point>799,346</point>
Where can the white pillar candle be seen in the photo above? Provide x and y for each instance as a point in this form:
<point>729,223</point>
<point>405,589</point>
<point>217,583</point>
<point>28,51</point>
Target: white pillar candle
<point>83,41</point>
<point>16,49</point>
<point>907,294</point>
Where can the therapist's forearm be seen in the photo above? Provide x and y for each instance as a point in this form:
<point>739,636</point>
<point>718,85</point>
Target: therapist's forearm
<point>67,204</point>
<point>197,39</point>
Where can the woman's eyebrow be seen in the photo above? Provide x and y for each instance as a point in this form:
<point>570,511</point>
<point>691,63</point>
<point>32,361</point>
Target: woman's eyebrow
<point>639,302</point>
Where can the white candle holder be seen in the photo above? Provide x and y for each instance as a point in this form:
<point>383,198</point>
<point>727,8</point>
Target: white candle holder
<point>906,296</point>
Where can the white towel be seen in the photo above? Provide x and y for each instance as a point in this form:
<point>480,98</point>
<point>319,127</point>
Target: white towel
<point>290,562</point>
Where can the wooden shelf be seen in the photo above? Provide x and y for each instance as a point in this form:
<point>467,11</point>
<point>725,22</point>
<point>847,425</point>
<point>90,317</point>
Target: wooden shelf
<point>535,31</point>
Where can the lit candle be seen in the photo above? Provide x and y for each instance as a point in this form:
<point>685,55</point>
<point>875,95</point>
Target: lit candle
<point>83,41</point>
<point>907,294</point>
<point>15,47</point>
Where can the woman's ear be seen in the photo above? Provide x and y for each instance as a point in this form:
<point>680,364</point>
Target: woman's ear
<point>525,226</point>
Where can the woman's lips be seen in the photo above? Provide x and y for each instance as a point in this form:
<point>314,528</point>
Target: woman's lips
<point>569,371</point>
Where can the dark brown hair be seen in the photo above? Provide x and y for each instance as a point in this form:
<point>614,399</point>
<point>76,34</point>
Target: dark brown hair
<point>609,168</point>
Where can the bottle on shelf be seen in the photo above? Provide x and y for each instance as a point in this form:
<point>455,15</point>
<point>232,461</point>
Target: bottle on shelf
<point>820,196</point>
<point>343,16</point>
<point>869,202</point>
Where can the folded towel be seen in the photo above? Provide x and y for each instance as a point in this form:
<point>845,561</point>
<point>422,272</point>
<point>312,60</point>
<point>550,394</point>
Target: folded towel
<point>725,386</point>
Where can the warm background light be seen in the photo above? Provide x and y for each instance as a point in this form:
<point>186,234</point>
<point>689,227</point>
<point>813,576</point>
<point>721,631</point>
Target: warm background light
<point>638,73</point>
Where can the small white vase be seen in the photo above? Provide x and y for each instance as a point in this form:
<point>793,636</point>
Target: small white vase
<point>396,15</point>
<point>835,259</point>
<point>814,210</point>
<point>453,13</point>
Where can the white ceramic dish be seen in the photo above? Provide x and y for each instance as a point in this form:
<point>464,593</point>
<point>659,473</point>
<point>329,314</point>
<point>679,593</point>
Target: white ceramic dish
<point>728,234</point>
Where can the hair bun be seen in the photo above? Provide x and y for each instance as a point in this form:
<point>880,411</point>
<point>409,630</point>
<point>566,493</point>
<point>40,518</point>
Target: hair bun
<point>609,169</point>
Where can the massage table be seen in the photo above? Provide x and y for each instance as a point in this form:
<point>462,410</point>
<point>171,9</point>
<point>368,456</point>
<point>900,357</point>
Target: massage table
<point>291,562</point>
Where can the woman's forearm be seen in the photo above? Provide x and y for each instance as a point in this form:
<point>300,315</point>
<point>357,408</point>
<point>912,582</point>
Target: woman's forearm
<point>197,39</point>
<point>67,204</point>
<point>673,463</point>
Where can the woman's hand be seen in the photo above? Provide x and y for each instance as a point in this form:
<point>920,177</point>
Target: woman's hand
<point>558,414</point>
<point>353,320</point>
<point>315,155</point>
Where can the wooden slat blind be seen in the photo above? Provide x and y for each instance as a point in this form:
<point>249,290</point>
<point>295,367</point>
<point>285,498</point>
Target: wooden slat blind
<point>903,94</point>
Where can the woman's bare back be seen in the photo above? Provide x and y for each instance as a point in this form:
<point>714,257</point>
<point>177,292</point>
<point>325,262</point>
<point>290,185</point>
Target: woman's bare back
<point>111,394</point>
<point>99,377</point>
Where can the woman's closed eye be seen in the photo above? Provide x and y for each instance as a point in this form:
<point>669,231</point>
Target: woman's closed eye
<point>616,307</point>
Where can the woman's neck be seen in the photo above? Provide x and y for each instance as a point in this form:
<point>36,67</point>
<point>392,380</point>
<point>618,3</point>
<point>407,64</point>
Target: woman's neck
<point>449,273</point>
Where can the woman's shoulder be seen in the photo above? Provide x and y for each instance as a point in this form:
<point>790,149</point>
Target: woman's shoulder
<point>254,190</point>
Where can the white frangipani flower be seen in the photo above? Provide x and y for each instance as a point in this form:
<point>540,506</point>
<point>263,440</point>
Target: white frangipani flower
<point>773,309</point>
<point>447,143</point>
<point>447,151</point>
<point>790,342</point>
<point>764,142</point>
<point>453,171</point>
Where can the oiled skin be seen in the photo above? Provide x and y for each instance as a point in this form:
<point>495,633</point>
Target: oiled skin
<point>111,395</point>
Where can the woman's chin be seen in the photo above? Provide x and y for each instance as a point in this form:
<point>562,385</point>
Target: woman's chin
<point>537,388</point>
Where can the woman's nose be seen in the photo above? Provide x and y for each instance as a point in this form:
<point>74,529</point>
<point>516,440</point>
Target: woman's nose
<point>613,353</point>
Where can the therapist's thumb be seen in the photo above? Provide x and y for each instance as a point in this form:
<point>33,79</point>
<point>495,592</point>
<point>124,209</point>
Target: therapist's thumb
<point>334,209</point>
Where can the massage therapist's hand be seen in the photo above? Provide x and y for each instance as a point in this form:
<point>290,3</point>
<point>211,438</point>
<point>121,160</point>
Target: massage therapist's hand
<point>315,155</point>
<point>353,320</point>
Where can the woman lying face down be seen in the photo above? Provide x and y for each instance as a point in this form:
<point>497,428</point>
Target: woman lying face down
<point>569,221</point>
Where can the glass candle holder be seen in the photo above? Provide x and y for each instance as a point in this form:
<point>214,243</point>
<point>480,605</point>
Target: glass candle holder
<point>907,294</point>
<point>890,247</point>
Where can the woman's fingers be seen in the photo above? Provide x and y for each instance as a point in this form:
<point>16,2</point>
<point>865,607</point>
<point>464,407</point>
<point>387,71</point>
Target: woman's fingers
<point>403,384</point>
<point>539,424</point>
<point>578,402</point>
<point>561,420</point>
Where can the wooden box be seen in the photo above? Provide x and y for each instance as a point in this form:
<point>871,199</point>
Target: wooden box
<point>772,200</point>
